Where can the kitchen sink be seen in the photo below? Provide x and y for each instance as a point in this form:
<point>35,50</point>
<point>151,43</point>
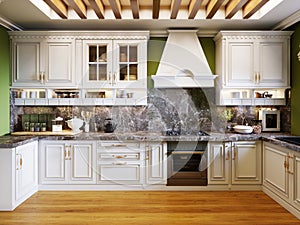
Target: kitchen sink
<point>291,139</point>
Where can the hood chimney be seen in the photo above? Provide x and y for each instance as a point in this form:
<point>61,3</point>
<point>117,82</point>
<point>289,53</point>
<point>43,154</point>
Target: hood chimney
<point>183,63</point>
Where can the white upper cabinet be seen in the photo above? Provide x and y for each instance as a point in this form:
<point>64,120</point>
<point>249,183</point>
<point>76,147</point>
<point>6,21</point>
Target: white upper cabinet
<point>42,60</point>
<point>115,64</point>
<point>253,59</point>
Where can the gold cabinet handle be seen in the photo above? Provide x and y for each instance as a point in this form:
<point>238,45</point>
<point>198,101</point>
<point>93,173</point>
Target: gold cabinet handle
<point>120,164</point>
<point>285,164</point>
<point>109,78</point>
<point>228,155</point>
<point>115,79</point>
<point>118,145</point>
<point>258,77</point>
<point>255,77</point>
<point>41,78</point>
<point>290,172</point>
<point>121,156</point>
<point>234,153</point>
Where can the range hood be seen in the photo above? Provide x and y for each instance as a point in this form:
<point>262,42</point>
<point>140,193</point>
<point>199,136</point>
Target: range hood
<point>183,63</point>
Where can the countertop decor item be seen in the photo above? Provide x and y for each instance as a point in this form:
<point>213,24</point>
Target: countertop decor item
<point>243,129</point>
<point>75,124</point>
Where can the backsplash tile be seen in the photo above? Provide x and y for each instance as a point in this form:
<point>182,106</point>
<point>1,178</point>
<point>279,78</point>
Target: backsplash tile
<point>187,110</point>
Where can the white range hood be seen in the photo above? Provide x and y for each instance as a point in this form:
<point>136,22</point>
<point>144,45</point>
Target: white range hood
<point>183,63</point>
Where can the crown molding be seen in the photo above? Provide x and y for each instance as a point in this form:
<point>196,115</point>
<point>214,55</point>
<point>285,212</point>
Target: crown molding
<point>289,21</point>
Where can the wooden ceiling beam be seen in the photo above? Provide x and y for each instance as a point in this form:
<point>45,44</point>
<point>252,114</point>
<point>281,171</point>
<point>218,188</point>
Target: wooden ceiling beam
<point>116,8</point>
<point>98,8</point>
<point>233,7</point>
<point>155,9</point>
<point>252,7</point>
<point>194,7</point>
<point>79,7</point>
<point>175,5</point>
<point>135,8</point>
<point>212,7</point>
<point>59,7</point>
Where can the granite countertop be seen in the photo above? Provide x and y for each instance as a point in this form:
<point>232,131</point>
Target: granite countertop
<point>11,141</point>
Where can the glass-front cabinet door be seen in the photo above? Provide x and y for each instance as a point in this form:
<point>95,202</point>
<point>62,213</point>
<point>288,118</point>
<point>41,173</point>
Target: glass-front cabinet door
<point>98,65</point>
<point>130,63</point>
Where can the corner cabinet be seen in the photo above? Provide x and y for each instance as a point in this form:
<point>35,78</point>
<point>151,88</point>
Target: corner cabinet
<point>281,176</point>
<point>252,61</point>
<point>229,163</point>
<point>67,162</point>
<point>42,60</point>
<point>18,174</point>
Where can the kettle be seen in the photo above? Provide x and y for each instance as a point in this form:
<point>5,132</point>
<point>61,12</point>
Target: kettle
<point>109,127</point>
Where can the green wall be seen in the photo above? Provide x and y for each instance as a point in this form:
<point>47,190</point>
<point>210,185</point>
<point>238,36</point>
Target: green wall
<point>4,82</point>
<point>155,49</point>
<point>295,81</point>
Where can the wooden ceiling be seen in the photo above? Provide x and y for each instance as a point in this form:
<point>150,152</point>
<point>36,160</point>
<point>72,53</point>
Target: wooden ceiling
<point>228,7</point>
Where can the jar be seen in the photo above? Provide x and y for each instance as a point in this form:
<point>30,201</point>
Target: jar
<point>32,127</point>
<point>256,126</point>
<point>43,127</point>
<point>37,127</point>
<point>26,126</point>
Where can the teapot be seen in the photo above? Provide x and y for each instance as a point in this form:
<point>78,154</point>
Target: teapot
<point>109,127</point>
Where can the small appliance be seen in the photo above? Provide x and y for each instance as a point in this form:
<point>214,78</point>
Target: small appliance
<point>270,119</point>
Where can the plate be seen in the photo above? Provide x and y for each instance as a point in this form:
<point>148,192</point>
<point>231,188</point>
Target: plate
<point>242,129</point>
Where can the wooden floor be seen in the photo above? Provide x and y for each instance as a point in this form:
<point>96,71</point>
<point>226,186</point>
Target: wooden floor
<point>144,207</point>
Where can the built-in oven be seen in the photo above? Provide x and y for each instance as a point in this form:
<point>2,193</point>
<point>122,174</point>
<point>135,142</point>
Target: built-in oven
<point>187,165</point>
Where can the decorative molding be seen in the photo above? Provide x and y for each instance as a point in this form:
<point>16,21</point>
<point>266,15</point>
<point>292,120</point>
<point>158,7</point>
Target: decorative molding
<point>84,35</point>
<point>291,20</point>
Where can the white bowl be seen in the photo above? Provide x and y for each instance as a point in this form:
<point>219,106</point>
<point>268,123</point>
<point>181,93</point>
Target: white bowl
<point>242,129</point>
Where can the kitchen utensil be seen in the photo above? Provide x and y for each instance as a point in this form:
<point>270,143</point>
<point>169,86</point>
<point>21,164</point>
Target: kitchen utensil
<point>259,95</point>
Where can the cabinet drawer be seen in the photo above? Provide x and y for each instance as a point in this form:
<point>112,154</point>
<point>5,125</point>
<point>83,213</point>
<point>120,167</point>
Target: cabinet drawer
<point>118,145</point>
<point>119,156</point>
<point>116,173</point>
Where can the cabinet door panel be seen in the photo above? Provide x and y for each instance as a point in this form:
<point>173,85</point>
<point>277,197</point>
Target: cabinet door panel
<point>54,164</point>
<point>240,64</point>
<point>156,166</point>
<point>273,64</point>
<point>275,175</point>
<point>82,163</point>
<point>296,197</point>
<point>218,164</point>
<point>119,174</point>
<point>26,177</point>
<point>246,163</point>
<point>26,63</point>
<point>60,63</point>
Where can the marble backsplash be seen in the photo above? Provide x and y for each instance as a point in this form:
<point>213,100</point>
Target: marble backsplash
<point>185,110</point>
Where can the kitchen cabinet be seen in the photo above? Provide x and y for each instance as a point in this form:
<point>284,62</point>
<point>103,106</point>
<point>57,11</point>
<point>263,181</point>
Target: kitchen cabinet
<point>67,162</point>
<point>115,68</point>
<point>41,60</point>
<point>120,162</point>
<point>18,174</point>
<point>281,168</point>
<point>251,60</point>
<point>229,163</point>
<point>156,163</point>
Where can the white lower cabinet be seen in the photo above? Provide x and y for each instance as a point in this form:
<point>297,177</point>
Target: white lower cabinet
<point>64,162</point>
<point>156,163</point>
<point>281,176</point>
<point>120,162</point>
<point>18,174</point>
<point>234,163</point>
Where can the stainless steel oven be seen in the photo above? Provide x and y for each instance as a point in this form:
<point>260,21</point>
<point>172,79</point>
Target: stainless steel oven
<point>187,164</point>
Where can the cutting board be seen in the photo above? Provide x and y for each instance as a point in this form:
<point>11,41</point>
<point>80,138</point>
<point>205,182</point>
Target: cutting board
<point>46,133</point>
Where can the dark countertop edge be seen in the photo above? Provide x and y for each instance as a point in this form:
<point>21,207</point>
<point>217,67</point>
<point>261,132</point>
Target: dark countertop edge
<point>14,141</point>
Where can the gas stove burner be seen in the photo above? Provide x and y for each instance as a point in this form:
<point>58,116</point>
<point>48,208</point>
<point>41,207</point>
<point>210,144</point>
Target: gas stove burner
<point>175,132</point>
<point>202,133</point>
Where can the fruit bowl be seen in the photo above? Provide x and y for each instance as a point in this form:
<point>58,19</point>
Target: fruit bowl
<point>243,129</point>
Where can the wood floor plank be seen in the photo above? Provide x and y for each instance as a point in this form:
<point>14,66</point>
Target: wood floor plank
<point>149,207</point>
